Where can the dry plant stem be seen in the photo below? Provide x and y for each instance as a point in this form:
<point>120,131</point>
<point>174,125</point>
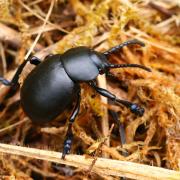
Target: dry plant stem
<point>46,51</point>
<point>3,58</point>
<point>160,9</point>
<point>105,166</point>
<point>41,30</point>
<point>98,150</point>
<point>9,35</point>
<point>47,28</point>
<point>41,18</point>
<point>104,121</point>
<point>13,125</point>
<point>153,42</point>
<point>13,37</point>
<point>44,173</point>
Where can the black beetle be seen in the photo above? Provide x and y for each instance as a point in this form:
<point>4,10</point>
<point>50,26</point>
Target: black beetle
<point>53,84</point>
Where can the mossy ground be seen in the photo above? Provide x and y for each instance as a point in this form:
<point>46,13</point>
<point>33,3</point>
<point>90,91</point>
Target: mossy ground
<point>99,24</point>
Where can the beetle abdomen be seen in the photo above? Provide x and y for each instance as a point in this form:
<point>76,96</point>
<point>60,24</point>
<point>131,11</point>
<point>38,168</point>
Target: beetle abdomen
<point>47,91</point>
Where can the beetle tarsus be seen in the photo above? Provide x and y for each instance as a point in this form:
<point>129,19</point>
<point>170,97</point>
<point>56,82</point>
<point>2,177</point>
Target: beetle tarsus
<point>5,81</point>
<point>136,109</point>
<point>67,146</point>
<point>69,134</point>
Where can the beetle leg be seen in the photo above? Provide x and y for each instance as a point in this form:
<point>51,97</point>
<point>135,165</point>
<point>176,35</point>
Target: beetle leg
<point>14,81</point>
<point>69,134</point>
<point>116,48</point>
<point>121,130</point>
<point>136,109</point>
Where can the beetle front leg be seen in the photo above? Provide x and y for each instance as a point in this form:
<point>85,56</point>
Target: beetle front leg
<point>136,109</point>
<point>33,60</point>
<point>69,134</point>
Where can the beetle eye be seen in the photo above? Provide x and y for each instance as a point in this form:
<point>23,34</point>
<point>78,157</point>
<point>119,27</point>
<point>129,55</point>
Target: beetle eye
<point>101,71</point>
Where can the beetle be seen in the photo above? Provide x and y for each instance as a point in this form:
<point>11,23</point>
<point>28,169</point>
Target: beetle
<point>54,84</point>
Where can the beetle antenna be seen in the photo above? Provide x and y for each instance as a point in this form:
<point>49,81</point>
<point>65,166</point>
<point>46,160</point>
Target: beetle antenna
<point>116,48</point>
<point>129,65</point>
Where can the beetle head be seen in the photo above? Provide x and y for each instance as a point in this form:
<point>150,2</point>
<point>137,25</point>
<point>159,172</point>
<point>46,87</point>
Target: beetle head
<point>101,62</point>
<point>103,65</point>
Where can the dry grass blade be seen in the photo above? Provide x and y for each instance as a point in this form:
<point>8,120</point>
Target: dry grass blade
<point>105,166</point>
<point>41,30</point>
<point>104,121</point>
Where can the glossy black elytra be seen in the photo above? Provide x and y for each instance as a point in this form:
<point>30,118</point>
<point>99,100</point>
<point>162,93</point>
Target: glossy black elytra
<point>54,84</point>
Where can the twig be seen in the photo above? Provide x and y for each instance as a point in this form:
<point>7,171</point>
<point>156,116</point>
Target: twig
<point>13,37</point>
<point>98,150</point>
<point>153,42</point>
<point>13,125</point>
<point>104,122</point>
<point>3,57</point>
<point>102,165</point>
<point>161,9</point>
<point>9,35</point>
